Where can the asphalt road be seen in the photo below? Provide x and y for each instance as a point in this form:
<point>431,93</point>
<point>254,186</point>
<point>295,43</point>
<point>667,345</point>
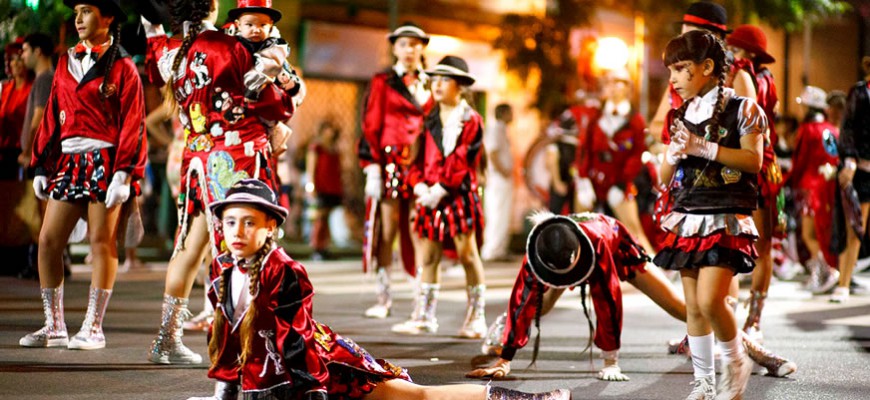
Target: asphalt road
<point>829,342</point>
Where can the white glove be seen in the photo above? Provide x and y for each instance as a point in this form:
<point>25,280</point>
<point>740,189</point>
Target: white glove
<point>431,200</point>
<point>613,374</point>
<point>40,184</point>
<point>615,196</point>
<point>676,149</point>
<point>421,190</point>
<point>374,184</point>
<point>828,171</point>
<point>698,147</point>
<point>585,193</point>
<point>119,190</point>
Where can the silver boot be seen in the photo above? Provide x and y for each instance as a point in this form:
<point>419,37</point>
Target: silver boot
<point>90,337</point>
<point>423,318</point>
<point>775,365</point>
<point>53,333</point>
<point>167,348</point>
<point>381,310</point>
<point>498,393</point>
<point>474,326</point>
<point>752,327</point>
<point>492,344</point>
<point>222,391</point>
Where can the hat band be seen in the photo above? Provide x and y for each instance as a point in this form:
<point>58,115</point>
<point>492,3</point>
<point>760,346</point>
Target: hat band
<point>449,70</point>
<point>701,21</point>
<point>409,29</point>
<point>247,198</point>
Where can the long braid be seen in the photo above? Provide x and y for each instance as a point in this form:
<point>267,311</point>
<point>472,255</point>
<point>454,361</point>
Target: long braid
<point>218,325</point>
<point>246,331</point>
<point>539,300</point>
<point>193,11</point>
<point>717,54</point>
<point>112,54</point>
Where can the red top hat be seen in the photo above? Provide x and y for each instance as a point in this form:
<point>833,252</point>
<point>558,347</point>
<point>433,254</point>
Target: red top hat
<point>254,6</point>
<point>752,39</point>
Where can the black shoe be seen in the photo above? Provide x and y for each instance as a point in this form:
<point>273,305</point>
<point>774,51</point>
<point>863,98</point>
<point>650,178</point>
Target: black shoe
<point>29,273</point>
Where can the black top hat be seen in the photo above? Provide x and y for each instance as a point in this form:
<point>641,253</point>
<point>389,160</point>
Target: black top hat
<point>107,7</point>
<point>252,192</point>
<point>453,67</point>
<point>254,6</point>
<point>707,15</point>
<point>155,11</point>
<point>559,252</point>
<point>409,29</point>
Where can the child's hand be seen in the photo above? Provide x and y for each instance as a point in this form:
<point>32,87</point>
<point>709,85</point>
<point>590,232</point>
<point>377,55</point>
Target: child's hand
<point>500,369</point>
<point>676,149</point>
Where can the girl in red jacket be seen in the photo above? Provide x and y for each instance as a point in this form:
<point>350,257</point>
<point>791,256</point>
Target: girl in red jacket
<point>448,206</point>
<point>265,341</point>
<point>89,148</point>
<point>225,141</point>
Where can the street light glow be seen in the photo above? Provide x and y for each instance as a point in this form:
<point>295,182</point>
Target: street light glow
<point>33,4</point>
<point>612,53</point>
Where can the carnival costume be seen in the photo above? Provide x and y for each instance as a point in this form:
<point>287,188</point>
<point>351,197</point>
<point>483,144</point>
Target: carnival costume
<point>225,140</point>
<point>392,118</point>
<point>292,356</point>
<point>710,220</point>
<point>90,143</point>
<point>814,180</point>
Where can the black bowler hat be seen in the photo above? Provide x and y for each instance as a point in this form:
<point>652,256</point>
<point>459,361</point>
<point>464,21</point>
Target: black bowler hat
<point>409,29</point>
<point>252,192</point>
<point>155,11</point>
<point>107,7</point>
<point>254,6</point>
<point>455,68</point>
<point>707,15</point>
<point>559,252</point>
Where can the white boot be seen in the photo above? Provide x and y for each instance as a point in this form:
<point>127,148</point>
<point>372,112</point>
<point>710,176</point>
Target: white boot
<point>492,341</point>
<point>91,337</point>
<point>381,310</point>
<point>474,326</point>
<point>167,348</point>
<point>53,333</point>
<point>423,318</point>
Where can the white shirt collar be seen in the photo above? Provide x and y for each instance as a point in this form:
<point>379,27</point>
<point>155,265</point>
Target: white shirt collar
<point>701,108</point>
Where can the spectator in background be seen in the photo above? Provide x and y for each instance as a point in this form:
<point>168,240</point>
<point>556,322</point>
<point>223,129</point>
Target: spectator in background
<point>498,195</point>
<point>324,187</point>
<point>836,107</point>
<point>14,235</point>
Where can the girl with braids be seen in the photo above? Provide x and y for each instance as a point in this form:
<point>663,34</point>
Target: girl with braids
<point>713,157</point>
<point>265,342</point>
<point>225,141</point>
<point>89,150</point>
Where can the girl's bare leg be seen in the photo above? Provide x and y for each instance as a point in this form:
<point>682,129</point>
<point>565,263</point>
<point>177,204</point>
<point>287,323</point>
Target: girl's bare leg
<point>655,286</point>
<point>103,232</point>
<point>59,221</point>
<point>627,213</point>
<point>398,389</point>
<point>182,268</point>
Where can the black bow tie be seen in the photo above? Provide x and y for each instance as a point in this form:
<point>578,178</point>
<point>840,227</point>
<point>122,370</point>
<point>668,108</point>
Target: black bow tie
<point>81,55</point>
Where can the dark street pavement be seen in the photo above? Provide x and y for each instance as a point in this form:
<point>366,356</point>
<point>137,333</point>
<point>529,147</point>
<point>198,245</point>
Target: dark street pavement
<point>829,342</point>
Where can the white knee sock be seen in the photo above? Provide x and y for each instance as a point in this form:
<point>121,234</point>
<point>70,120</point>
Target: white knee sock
<point>702,355</point>
<point>731,350</point>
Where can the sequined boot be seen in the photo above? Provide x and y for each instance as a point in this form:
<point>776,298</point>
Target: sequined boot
<point>498,393</point>
<point>385,299</point>
<point>90,337</point>
<point>474,326</point>
<point>222,391</point>
<point>775,365</point>
<point>53,333</point>
<point>492,344</point>
<point>423,318</point>
<point>752,327</point>
<point>167,348</point>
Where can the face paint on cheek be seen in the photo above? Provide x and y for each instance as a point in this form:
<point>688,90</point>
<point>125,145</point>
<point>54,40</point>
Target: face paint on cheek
<point>691,76</point>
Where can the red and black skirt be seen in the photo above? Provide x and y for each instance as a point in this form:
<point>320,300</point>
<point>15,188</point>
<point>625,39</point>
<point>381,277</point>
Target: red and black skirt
<point>397,164</point>
<point>692,241</point>
<point>455,215</point>
<point>84,176</point>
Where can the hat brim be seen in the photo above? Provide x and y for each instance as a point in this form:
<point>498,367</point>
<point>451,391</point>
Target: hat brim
<point>277,212</point>
<point>393,36</point>
<point>711,28</point>
<point>761,56</point>
<point>106,7</point>
<point>578,274</point>
<point>460,76</point>
<point>235,13</point>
